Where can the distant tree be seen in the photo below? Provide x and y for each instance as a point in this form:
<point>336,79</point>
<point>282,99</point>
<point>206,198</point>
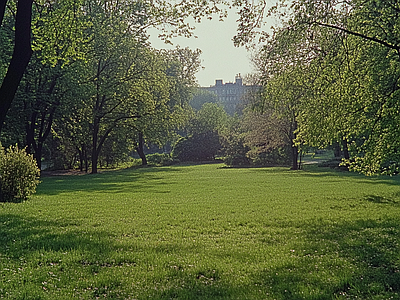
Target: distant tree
<point>268,138</point>
<point>179,66</point>
<point>197,147</point>
<point>204,132</point>
<point>233,143</point>
<point>201,97</point>
<point>210,118</point>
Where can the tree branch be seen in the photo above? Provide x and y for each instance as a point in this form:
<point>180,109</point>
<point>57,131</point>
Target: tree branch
<point>363,36</point>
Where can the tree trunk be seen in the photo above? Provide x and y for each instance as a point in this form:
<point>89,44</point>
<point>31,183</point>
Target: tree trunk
<point>95,156</point>
<point>336,150</point>
<point>346,153</point>
<point>38,155</point>
<point>140,150</point>
<point>85,157</point>
<point>300,160</point>
<point>35,146</point>
<point>45,129</point>
<point>295,156</point>
<point>80,154</point>
<point>3,4</point>
<point>98,143</point>
<point>20,57</point>
<point>30,133</point>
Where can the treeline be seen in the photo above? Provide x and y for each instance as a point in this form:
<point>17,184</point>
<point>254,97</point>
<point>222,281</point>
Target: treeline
<point>94,89</point>
<point>330,73</point>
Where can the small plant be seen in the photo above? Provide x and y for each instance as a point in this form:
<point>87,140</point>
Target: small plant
<point>19,174</point>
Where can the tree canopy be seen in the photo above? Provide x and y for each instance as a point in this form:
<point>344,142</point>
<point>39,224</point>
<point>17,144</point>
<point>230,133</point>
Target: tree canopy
<point>341,64</point>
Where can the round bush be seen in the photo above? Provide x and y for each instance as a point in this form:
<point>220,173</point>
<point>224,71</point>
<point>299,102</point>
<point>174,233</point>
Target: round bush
<point>198,147</point>
<point>19,175</point>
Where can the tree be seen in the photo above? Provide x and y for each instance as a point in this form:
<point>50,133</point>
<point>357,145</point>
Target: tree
<point>351,48</point>
<point>20,57</point>
<point>180,67</point>
<point>197,147</point>
<point>234,147</point>
<point>283,70</point>
<point>59,30</point>
<point>41,28</point>
<point>204,132</point>
<point>365,69</point>
<point>122,71</point>
<point>268,138</point>
<point>210,118</point>
<point>200,97</point>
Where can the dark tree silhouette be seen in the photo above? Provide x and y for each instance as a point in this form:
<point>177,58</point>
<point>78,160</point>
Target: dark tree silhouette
<point>20,57</point>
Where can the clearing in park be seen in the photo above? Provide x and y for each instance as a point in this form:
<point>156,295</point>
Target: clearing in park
<point>204,232</point>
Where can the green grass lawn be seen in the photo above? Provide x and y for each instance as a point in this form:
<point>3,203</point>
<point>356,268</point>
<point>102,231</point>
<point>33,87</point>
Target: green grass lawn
<point>204,232</point>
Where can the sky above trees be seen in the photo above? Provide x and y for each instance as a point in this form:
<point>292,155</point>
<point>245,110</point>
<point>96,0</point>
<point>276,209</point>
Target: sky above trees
<point>220,58</point>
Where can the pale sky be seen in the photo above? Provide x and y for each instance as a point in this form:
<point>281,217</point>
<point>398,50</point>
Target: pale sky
<point>220,59</point>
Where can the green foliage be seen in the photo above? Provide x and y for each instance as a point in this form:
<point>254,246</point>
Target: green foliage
<point>19,174</point>
<point>6,46</point>
<point>236,159</point>
<point>204,232</point>
<point>211,117</point>
<point>233,143</point>
<point>59,31</point>
<point>160,159</point>
<point>205,129</point>
<point>118,81</point>
<point>197,147</point>
<point>201,97</point>
<point>257,138</point>
<point>336,65</point>
<point>279,156</point>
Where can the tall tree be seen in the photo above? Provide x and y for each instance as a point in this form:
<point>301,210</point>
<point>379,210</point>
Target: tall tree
<point>352,51</point>
<point>59,29</point>
<point>20,57</point>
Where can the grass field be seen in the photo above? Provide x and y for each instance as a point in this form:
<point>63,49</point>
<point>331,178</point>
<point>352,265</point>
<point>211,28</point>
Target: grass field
<point>204,232</point>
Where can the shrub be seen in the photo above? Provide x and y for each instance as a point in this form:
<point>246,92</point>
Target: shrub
<point>19,174</point>
<point>158,159</point>
<point>334,163</point>
<point>235,151</point>
<point>236,159</point>
<point>270,157</point>
<point>198,147</point>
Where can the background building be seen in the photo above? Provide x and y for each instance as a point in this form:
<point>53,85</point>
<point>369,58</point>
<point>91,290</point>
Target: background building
<point>231,94</point>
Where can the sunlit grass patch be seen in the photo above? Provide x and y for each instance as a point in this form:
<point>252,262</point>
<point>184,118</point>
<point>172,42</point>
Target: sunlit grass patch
<point>204,232</point>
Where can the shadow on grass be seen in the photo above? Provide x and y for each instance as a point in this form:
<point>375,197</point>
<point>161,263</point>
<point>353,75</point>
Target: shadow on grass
<point>128,180</point>
<point>199,291</point>
<point>85,262</point>
<point>352,260</point>
<point>35,254</point>
<point>21,236</point>
<point>383,200</point>
<point>359,259</point>
<point>320,172</point>
<point>329,260</point>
